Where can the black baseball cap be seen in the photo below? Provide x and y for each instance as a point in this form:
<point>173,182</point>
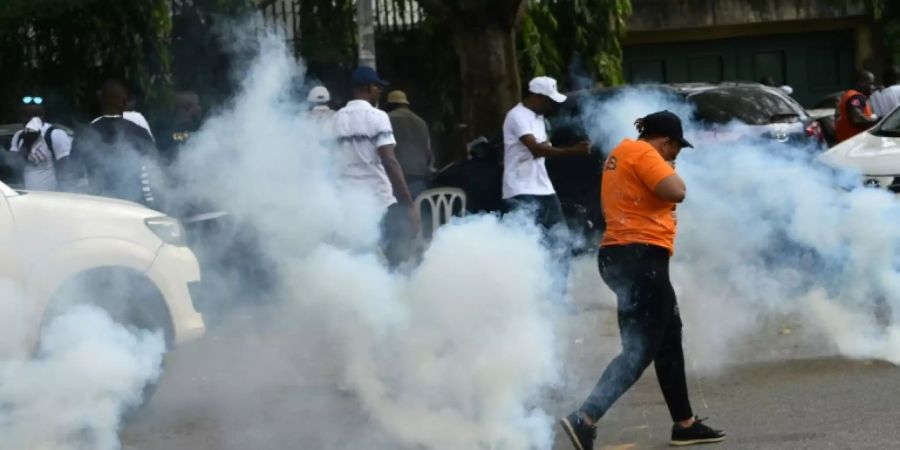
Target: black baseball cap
<point>665,124</point>
<point>365,75</point>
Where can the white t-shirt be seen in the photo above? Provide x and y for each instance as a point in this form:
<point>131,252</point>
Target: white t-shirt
<point>360,130</point>
<point>40,170</point>
<point>137,119</point>
<point>321,115</point>
<point>885,100</point>
<point>523,174</point>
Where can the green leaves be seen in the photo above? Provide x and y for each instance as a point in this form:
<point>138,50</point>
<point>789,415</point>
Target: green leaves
<point>558,36</point>
<point>67,47</point>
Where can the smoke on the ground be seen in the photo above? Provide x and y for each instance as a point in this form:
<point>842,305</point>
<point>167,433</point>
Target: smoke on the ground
<point>449,354</point>
<point>72,392</point>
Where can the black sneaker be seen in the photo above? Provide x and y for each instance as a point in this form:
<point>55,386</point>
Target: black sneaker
<point>698,433</point>
<point>581,434</point>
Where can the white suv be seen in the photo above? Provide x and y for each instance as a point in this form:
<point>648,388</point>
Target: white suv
<point>132,261</point>
<point>875,154</point>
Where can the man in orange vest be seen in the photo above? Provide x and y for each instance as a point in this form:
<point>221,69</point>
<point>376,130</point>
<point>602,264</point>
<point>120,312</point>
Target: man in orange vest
<point>853,115</point>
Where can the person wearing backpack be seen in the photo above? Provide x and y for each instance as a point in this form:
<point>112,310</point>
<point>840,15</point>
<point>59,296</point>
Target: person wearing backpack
<point>40,149</point>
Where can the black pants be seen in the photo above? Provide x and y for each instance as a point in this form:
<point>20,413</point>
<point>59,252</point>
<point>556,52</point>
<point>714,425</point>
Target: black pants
<point>397,234</point>
<point>649,324</point>
<point>547,209</point>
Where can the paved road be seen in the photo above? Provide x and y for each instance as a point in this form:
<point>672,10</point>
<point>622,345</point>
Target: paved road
<point>239,390</point>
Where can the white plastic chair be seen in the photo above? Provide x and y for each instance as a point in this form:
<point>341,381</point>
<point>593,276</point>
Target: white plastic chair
<point>442,202</point>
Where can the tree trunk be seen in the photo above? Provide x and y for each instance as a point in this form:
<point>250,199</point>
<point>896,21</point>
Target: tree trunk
<point>484,38</point>
<point>489,75</point>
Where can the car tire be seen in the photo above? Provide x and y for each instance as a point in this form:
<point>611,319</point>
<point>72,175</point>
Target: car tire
<point>127,296</point>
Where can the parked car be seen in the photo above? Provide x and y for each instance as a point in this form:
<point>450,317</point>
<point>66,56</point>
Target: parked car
<point>768,112</point>
<point>62,249</point>
<point>875,154</point>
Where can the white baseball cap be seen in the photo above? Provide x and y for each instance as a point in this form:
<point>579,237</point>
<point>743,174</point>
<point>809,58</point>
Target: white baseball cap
<point>318,94</point>
<point>546,86</point>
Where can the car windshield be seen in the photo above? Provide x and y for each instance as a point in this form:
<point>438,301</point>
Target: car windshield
<point>890,126</point>
<point>751,105</point>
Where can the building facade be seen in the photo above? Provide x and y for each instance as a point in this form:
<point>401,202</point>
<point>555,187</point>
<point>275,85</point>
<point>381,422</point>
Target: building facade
<point>814,46</point>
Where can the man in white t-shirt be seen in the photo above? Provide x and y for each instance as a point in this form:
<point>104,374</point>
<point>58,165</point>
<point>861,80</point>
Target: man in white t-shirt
<point>366,158</point>
<point>319,111</point>
<point>43,148</point>
<point>888,98</point>
<point>525,180</point>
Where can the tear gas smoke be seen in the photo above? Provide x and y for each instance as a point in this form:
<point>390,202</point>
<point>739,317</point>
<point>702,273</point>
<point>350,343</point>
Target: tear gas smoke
<point>72,393</point>
<point>447,356</point>
<point>767,232</point>
<point>454,352</point>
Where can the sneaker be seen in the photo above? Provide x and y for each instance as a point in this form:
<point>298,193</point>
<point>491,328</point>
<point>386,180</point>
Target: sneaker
<point>698,433</point>
<point>580,433</point>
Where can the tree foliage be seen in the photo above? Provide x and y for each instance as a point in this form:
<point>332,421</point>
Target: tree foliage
<point>200,50</point>
<point>64,48</point>
<point>483,36</point>
<point>328,30</point>
<point>577,39</point>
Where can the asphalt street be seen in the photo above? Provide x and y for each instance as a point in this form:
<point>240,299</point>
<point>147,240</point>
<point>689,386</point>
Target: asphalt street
<point>783,389</point>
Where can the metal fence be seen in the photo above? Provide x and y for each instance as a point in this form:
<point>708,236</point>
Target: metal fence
<point>397,15</point>
<point>283,17</point>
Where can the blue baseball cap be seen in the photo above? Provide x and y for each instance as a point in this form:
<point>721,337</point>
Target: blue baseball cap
<point>365,75</point>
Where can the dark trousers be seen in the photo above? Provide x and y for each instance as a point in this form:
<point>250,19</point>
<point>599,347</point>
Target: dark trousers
<point>416,184</point>
<point>547,209</point>
<point>397,234</point>
<point>650,327</point>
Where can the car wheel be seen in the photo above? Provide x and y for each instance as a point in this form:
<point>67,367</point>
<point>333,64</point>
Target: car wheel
<point>126,295</point>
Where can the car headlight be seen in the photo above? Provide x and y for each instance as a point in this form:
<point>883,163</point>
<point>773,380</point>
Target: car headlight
<point>168,229</point>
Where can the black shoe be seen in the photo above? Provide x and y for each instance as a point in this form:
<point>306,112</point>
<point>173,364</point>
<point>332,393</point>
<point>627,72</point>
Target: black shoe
<point>695,434</point>
<point>581,434</point>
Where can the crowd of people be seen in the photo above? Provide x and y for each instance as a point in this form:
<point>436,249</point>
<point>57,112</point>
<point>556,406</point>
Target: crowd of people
<point>388,153</point>
<point>115,155</point>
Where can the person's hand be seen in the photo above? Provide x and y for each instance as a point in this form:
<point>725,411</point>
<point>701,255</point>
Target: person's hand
<point>37,157</point>
<point>414,220</point>
<point>582,148</point>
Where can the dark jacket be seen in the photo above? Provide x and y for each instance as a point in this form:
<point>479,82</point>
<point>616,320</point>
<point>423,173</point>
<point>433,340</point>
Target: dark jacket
<point>119,160</point>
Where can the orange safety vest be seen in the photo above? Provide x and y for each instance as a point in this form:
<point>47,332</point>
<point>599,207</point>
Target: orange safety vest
<point>843,128</point>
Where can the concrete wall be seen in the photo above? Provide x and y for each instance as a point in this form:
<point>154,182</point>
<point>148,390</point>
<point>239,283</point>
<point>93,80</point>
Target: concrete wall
<point>650,15</point>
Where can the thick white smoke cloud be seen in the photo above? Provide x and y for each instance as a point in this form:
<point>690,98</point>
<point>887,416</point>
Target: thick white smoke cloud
<point>765,233</point>
<point>449,355</point>
<point>71,394</point>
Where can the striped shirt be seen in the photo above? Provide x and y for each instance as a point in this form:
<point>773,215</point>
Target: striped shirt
<point>360,130</point>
